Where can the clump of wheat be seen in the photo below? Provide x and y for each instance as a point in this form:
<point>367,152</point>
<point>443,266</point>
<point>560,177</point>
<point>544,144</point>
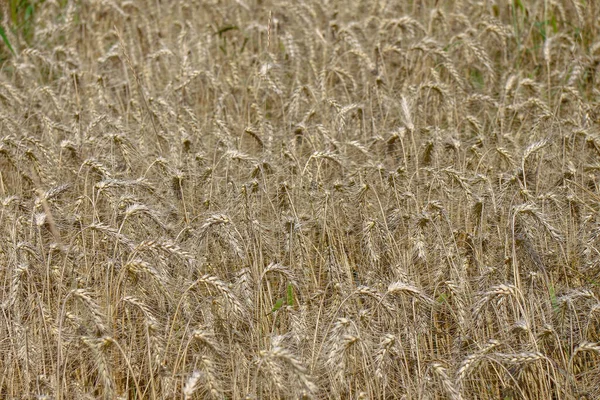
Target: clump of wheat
<point>282,199</point>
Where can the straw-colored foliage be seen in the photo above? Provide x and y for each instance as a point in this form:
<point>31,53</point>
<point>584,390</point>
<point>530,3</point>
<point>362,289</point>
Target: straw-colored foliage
<point>319,199</point>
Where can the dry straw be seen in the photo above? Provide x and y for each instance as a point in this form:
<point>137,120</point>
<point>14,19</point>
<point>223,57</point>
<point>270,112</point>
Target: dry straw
<point>286,199</point>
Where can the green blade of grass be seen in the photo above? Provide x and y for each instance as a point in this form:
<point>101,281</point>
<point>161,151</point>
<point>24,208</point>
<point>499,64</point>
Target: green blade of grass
<point>290,295</point>
<point>6,41</point>
<point>278,304</point>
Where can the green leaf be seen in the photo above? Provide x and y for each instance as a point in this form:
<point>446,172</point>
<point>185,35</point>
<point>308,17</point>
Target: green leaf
<point>290,295</point>
<point>520,5</point>
<point>6,41</point>
<point>28,12</point>
<point>226,29</point>
<point>477,78</point>
<point>553,23</point>
<point>278,304</point>
<point>442,298</point>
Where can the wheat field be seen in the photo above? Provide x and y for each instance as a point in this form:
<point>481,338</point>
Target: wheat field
<point>269,199</point>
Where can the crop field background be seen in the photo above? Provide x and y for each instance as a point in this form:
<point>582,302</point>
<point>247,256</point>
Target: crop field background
<point>316,199</point>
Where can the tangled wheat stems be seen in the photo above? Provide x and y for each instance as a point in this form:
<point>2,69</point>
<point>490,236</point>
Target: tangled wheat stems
<point>270,199</point>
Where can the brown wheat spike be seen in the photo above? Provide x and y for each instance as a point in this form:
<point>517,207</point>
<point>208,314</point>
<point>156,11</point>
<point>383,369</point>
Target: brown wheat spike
<point>532,210</point>
<point>458,297</point>
<point>213,221</point>
<point>370,229</point>
<point>269,367</point>
<point>335,358</point>
<point>145,210</point>
<point>481,55</point>
<point>27,248</point>
<point>97,167</point>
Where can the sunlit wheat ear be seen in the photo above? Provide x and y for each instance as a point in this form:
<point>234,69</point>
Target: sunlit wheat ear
<point>119,237</point>
<point>519,358</point>
<point>448,385</point>
<point>149,319</point>
<point>165,246</point>
<point>214,221</point>
<point>207,339</point>
<point>222,226</point>
<point>419,245</point>
<point>142,209</point>
<point>369,232</point>
<point>49,320</point>
<point>337,347</point>
<point>98,347</point>
<point>211,384</point>
<point>97,167</point>
<point>375,295</point>
<point>278,268</point>
<point>245,287</point>
<point>407,114</point>
<point>583,347</point>
<point>386,350</point>
<point>191,384</point>
<point>92,306</point>
<point>458,297</point>
<point>223,289</point>
<point>291,363</point>
<point>19,272</point>
<point>402,288</point>
<point>498,291</point>
<point>470,362</point>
